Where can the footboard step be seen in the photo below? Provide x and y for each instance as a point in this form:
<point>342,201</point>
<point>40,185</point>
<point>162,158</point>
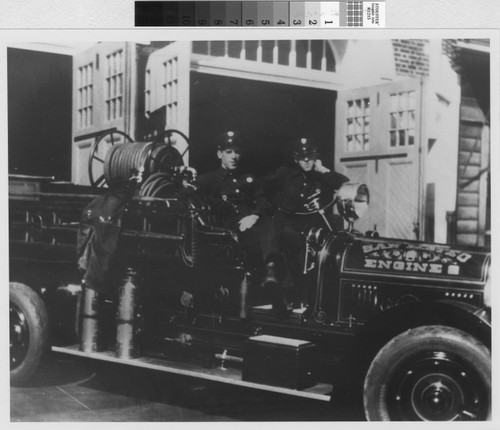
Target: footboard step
<point>231,376</point>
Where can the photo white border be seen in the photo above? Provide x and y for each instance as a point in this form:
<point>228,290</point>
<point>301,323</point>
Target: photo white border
<point>19,36</point>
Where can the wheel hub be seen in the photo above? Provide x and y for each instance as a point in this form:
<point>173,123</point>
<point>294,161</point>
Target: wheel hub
<point>435,387</point>
<point>438,396</point>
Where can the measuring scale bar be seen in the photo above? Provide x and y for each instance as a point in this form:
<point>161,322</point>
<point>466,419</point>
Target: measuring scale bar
<point>327,14</point>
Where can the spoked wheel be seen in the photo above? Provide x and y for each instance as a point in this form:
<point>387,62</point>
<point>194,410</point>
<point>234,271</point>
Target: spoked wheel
<point>98,153</point>
<point>28,332</point>
<point>431,373</point>
<point>168,150</point>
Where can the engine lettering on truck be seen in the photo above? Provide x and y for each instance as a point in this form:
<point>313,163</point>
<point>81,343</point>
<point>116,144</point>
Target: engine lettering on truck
<point>394,257</point>
<point>409,266</point>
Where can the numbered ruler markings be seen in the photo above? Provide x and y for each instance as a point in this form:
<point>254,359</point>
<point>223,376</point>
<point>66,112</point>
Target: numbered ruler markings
<point>233,13</point>
<point>280,14</point>
<point>297,14</point>
<point>217,13</point>
<point>202,14</point>
<point>250,14</point>
<point>265,13</point>
<point>186,13</point>
<point>312,14</point>
<point>169,13</point>
<point>330,14</point>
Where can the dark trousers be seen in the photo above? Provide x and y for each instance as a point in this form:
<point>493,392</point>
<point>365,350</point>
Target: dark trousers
<point>292,239</point>
<point>260,242</point>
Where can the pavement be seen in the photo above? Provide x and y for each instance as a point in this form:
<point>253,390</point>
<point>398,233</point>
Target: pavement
<point>71,389</point>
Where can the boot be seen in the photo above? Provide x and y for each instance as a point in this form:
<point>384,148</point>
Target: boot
<point>270,279</point>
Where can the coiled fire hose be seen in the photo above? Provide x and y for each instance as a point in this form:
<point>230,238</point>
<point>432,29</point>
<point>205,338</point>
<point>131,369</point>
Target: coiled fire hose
<point>150,163</point>
<point>124,161</point>
<point>155,184</point>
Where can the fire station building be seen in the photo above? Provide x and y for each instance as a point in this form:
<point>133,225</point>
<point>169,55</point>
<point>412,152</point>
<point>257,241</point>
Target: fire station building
<point>408,117</point>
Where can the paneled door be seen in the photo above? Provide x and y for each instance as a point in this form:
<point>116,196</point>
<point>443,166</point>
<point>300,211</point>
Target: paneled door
<point>378,142</point>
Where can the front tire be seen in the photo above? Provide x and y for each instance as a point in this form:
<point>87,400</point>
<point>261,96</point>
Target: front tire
<point>28,332</point>
<point>429,373</point>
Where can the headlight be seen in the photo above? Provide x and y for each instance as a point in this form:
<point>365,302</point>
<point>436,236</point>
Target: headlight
<point>352,201</point>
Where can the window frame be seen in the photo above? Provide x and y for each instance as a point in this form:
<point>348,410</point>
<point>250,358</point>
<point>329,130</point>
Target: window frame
<point>114,85</point>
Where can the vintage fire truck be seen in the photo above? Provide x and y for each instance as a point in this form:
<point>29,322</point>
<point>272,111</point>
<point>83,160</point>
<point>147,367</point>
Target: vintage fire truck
<point>406,324</point>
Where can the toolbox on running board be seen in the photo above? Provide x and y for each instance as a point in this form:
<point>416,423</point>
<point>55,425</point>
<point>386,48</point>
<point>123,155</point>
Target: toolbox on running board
<point>279,361</point>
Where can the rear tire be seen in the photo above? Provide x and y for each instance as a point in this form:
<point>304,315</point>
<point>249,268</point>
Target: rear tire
<point>28,332</point>
<point>429,373</point>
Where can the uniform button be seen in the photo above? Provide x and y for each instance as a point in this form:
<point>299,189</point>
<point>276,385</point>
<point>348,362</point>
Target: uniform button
<point>237,190</point>
<point>305,184</point>
<point>302,195</point>
<point>234,180</point>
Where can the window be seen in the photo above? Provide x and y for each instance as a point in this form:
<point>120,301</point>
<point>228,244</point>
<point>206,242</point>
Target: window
<point>114,85</point>
<point>85,95</point>
<point>308,54</point>
<point>402,119</point>
<point>170,86</point>
<point>358,125</point>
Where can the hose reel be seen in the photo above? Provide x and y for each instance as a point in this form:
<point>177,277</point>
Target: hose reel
<point>116,158</point>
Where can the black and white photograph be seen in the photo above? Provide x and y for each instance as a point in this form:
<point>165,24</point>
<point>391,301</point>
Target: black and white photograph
<point>251,229</point>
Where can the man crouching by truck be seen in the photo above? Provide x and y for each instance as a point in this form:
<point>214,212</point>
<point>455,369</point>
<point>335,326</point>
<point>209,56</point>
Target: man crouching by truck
<point>239,204</point>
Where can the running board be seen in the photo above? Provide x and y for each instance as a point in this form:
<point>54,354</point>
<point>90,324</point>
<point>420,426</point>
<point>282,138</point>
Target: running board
<point>231,376</point>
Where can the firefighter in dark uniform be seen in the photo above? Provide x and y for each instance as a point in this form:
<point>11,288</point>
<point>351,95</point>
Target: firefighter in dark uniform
<point>294,192</point>
<point>240,204</point>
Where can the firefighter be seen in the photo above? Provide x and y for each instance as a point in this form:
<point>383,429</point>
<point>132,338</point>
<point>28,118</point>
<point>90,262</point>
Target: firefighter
<point>294,191</point>
<point>240,204</point>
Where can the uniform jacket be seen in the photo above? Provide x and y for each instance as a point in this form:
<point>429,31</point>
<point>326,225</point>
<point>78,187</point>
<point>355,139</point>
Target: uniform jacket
<point>290,187</point>
<point>233,195</point>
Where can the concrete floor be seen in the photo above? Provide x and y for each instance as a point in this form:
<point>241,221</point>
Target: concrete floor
<point>74,390</point>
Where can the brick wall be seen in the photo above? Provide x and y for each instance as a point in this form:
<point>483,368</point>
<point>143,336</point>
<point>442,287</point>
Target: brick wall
<point>410,57</point>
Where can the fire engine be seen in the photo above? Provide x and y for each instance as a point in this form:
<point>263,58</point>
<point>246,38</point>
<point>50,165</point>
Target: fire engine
<point>406,324</point>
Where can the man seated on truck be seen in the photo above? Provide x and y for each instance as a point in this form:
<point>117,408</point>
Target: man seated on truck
<point>291,190</point>
<point>239,204</point>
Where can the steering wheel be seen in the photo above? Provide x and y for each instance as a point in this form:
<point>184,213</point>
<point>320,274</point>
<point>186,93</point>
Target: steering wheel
<point>164,154</point>
<point>98,152</point>
<point>317,203</point>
